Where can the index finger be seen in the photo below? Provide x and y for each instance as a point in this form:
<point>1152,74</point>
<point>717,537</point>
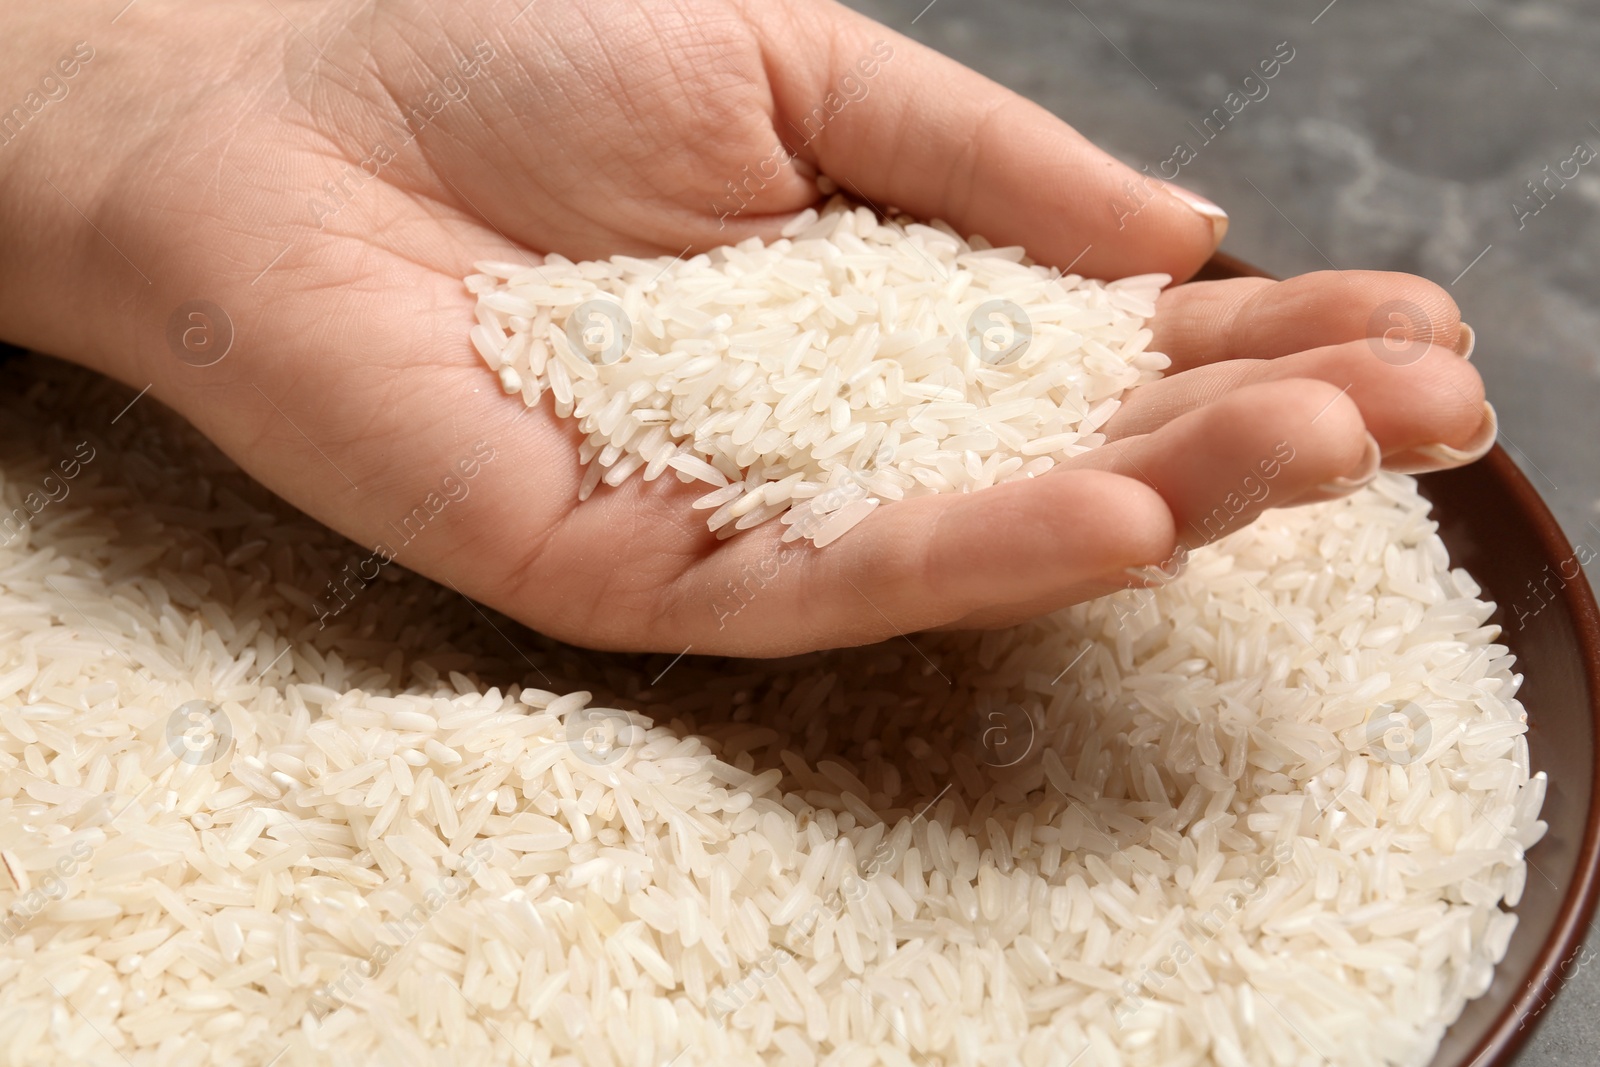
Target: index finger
<point>898,124</point>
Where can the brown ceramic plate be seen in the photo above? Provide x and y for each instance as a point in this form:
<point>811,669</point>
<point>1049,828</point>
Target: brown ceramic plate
<point>1495,526</point>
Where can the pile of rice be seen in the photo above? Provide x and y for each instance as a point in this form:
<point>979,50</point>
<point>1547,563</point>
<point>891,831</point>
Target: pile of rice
<point>851,362</point>
<point>1167,827</point>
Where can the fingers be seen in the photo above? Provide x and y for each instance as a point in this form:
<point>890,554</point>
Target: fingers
<point>1435,402</point>
<point>1219,468</point>
<point>900,124</point>
<point>1024,548</point>
<point>1252,318</point>
<point>1214,470</point>
<point>1260,446</point>
<point>923,563</point>
<point>1393,341</point>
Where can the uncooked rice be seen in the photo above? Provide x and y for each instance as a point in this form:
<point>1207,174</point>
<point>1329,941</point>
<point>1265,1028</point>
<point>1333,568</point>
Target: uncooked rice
<point>851,362</point>
<point>1157,828</point>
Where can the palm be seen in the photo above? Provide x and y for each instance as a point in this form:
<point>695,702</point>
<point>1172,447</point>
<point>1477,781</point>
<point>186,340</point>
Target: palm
<point>615,127</point>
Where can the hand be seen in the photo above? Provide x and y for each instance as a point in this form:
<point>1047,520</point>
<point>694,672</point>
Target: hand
<point>327,174</point>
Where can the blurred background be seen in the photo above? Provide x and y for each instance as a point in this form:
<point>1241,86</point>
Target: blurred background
<point>1398,137</point>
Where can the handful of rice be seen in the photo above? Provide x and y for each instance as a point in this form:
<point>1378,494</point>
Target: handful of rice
<point>851,362</point>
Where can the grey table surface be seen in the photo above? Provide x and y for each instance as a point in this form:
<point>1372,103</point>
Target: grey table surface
<point>1400,137</point>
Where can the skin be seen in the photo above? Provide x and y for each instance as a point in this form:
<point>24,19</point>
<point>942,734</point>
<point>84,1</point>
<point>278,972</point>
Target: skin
<point>184,161</point>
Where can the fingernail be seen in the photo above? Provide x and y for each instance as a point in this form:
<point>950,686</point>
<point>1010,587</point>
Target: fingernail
<point>1466,340</point>
<point>1371,462</point>
<point>1217,216</point>
<point>1432,457</point>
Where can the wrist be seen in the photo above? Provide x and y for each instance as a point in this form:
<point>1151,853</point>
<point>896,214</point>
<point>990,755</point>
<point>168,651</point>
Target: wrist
<point>86,138</point>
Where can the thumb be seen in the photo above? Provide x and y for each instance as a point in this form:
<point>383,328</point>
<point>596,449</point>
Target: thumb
<point>898,124</point>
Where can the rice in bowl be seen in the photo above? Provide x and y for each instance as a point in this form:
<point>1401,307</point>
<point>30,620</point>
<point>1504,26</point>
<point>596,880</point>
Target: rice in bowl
<point>1272,811</point>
